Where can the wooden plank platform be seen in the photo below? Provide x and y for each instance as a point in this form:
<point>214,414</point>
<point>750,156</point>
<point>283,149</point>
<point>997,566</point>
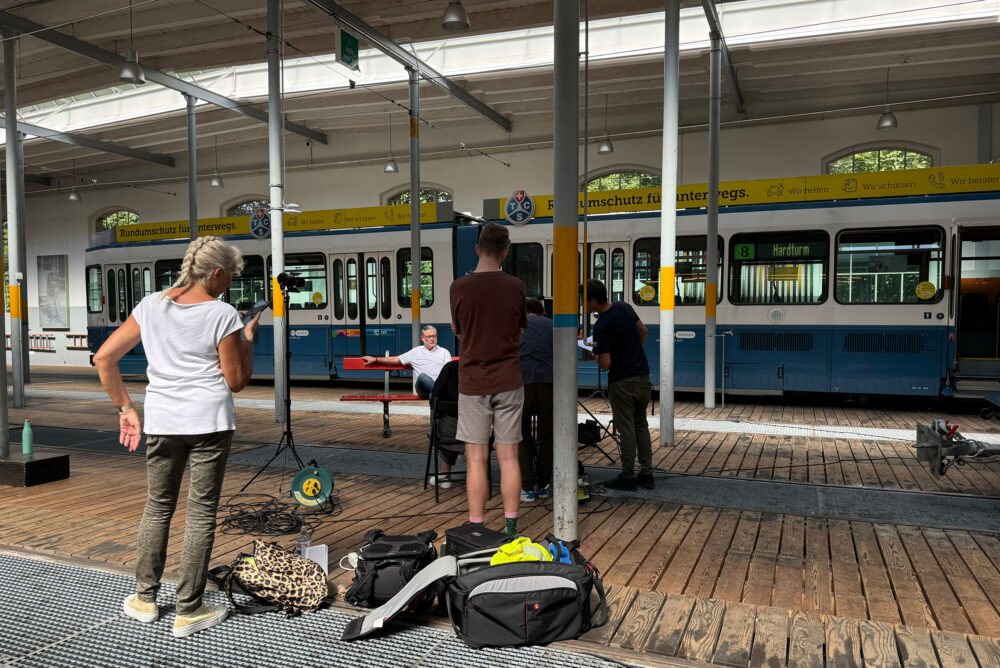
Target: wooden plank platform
<point>686,583</point>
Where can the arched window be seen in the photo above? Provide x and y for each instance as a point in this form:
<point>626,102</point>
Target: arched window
<point>878,159</point>
<point>427,195</point>
<point>247,207</point>
<point>623,179</point>
<point>114,218</point>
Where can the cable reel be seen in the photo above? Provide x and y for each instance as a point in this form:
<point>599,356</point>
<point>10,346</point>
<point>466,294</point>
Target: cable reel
<point>312,486</point>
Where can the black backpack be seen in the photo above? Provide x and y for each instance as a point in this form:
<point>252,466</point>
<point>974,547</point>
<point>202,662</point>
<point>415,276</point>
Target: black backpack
<point>386,564</point>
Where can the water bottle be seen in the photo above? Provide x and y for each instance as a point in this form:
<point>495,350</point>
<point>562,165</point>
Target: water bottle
<point>27,439</point>
<point>303,541</point>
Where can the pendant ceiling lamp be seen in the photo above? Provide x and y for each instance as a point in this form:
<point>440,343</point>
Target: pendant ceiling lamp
<point>390,166</point>
<point>216,181</point>
<point>887,121</point>
<point>74,194</point>
<point>605,146</point>
<point>455,18</point>
<point>131,71</point>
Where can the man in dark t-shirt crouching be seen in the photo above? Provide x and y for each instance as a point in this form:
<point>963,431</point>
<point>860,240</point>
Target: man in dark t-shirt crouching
<point>618,339</point>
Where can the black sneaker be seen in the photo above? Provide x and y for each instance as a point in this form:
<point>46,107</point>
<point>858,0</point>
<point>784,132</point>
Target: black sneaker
<point>645,480</point>
<point>621,483</point>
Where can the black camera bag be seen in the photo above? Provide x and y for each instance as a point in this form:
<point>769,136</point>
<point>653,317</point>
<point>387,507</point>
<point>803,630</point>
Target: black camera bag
<point>386,564</point>
<point>526,603</point>
<point>462,540</point>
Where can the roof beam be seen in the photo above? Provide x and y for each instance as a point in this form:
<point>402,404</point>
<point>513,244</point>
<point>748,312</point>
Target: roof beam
<point>715,29</point>
<point>30,178</point>
<point>52,36</point>
<point>408,60</point>
<point>90,142</point>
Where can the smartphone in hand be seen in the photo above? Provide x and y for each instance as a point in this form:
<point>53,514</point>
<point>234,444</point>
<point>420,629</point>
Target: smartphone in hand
<point>254,310</point>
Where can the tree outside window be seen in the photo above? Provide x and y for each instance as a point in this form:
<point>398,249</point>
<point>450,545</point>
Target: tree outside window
<point>623,180</point>
<point>427,196</point>
<point>879,160</point>
<point>112,220</point>
<point>248,207</point>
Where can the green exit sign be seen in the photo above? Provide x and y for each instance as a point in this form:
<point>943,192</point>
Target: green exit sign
<point>347,49</point>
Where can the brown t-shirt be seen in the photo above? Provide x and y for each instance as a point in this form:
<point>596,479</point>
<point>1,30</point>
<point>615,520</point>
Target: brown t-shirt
<point>487,309</point>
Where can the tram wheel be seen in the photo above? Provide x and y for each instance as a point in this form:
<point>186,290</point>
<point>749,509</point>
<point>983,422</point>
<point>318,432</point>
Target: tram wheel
<point>986,413</point>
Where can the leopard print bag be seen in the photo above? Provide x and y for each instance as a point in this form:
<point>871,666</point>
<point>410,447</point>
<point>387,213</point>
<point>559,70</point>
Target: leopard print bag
<point>280,579</point>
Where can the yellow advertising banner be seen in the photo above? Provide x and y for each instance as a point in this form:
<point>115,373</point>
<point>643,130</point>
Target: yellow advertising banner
<point>899,183</point>
<point>329,219</point>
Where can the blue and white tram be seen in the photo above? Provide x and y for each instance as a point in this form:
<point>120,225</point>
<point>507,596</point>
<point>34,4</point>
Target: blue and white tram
<point>356,299</point>
<point>896,296</point>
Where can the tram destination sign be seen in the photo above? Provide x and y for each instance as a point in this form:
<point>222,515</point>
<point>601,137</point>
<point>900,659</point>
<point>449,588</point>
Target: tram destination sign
<point>307,221</point>
<point>826,187</point>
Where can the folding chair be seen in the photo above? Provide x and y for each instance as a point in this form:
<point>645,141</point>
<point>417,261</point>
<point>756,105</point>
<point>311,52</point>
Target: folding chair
<point>444,422</point>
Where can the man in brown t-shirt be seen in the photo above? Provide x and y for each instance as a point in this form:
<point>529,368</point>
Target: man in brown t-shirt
<point>488,314</point>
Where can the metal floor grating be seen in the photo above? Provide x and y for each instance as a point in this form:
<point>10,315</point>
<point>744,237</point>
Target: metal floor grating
<point>57,615</point>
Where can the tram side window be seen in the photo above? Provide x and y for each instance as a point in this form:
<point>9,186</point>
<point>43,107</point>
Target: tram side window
<point>248,288</point>
<point>778,267</point>
<point>689,276</point>
<point>112,297</point>
<point>617,275</point>
<point>136,285</point>
<point>426,277</point>
<point>385,274</point>
<point>311,268</point>
<point>166,273</point>
<point>889,266</point>
<point>338,289</point>
<point>123,308</point>
<point>147,282</point>
<point>525,262</point>
<point>94,293</point>
<point>352,289</point>
<point>371,282</point>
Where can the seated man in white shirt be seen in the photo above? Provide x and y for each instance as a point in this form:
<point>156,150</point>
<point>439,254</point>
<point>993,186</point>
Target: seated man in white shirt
<point>427,361</point>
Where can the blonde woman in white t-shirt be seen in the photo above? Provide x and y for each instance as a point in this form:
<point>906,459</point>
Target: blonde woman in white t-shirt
<point>199,353</point>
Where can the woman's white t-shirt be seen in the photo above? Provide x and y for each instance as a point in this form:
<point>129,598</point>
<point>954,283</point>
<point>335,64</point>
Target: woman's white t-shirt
<point>187,393</point>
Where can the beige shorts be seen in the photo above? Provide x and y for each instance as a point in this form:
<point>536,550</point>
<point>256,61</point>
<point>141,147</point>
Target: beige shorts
<point>478,412</point>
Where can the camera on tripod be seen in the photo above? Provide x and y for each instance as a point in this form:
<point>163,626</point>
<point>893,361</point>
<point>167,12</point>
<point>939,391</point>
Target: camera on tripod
<point>291,281</point>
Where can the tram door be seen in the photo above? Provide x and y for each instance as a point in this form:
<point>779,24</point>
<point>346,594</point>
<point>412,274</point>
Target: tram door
<point>345,294</point>
<point>978,316</point>
<point>378,327</point>
<point>140,284</point>
<point>119,297</point>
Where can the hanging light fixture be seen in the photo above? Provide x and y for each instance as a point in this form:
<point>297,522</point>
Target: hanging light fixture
<point>216,181</point>
<point>390,166</point>
<point>131,71</point>
<point>605,146</point>
<point>74,194</point>
<point>455,18</point>
<point>887,121</point>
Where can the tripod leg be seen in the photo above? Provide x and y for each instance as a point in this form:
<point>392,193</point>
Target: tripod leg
<point>277,451</point>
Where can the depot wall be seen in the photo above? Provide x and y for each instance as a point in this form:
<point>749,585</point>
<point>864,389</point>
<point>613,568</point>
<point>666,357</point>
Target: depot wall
<point>57,226</point>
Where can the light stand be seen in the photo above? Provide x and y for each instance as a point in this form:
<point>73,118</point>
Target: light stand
<point>288,284</point>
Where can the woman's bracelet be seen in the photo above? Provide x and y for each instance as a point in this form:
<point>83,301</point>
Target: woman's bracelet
<point>126,409</point>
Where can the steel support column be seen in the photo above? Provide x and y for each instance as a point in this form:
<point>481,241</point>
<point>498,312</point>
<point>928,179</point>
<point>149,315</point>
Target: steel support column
<point>275,154</point>
<point>565,220</point>
<point>414,205</point>
<point>192,138</point>
<point>712,231</point>
<point>14,230</point>
<point>668,218</point>
<point>22,251</point>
